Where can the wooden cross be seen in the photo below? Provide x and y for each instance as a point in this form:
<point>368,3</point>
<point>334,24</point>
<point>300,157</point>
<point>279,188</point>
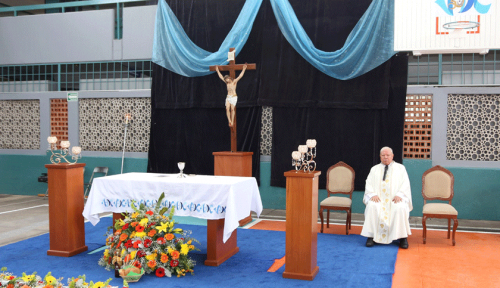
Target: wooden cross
<point>232,68</point>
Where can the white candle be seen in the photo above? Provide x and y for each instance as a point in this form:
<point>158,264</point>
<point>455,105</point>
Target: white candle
<point>302,148</point>
<point>76,150</point>
<point>296,155</point>
<point>65,144</point>
<point>311,143</point>
<point>52,139</point>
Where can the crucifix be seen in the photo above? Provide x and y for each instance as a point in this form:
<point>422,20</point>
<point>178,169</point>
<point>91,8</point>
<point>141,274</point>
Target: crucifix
<point>231,82</point>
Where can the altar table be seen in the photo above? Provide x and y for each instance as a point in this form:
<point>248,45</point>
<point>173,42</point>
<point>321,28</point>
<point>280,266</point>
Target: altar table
<point>222,200</point>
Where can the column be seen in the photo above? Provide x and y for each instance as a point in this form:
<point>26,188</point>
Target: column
<point>301,225</point>
<point>66,222</point>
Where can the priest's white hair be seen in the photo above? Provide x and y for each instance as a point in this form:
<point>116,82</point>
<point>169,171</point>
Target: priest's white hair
<point>386,148</point>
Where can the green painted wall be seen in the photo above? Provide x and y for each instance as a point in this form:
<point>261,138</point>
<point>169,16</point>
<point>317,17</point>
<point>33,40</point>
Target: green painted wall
<point>476,190</point>
<point>19,173</point>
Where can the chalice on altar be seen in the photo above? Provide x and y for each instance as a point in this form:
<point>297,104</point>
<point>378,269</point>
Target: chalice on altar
<point>181,166</point>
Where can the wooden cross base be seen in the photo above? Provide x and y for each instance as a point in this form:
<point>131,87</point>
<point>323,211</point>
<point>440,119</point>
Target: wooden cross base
<point>234,164</point>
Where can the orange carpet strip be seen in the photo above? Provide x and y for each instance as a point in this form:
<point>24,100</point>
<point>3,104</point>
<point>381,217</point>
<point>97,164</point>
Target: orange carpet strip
<point>473,262</point>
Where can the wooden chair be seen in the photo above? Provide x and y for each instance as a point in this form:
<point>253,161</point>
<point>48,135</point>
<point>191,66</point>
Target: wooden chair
<point>339,180</point>
<point>437,184</point>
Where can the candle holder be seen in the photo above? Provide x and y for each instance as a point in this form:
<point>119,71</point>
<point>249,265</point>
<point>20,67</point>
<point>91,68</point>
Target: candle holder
<point>302,159</point>
<point>64,152</point>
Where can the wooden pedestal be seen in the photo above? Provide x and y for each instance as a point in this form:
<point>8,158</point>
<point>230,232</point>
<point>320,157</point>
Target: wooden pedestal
<point>226,164</point>
<point>234,164</point>
<point>66,223</point>
<point>217,250</point>
<point>301,225</point>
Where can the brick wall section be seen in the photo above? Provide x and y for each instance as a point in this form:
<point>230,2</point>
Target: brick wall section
<point>418,127</point>
<point>59,119</point>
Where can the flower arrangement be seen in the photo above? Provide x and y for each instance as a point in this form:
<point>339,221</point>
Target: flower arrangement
<point>8,280</point>
<point>148,240</point>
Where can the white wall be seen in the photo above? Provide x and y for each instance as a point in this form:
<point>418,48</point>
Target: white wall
<point>55,38</point>
<point>138,32</point>
<point>86,36</point>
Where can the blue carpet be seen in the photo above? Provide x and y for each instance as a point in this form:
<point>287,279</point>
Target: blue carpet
<point>343,261</point>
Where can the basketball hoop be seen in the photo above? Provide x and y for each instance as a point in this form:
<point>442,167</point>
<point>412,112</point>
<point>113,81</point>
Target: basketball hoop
<point>461,25</point>
<point>458,28</point>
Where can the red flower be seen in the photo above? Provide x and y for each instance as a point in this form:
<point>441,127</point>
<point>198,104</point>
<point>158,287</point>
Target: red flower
<point>129,244</point>
<point>125,226</point>
<point>147,243</point>
<point>161,240</point>
<point>150,213</point>
<point>137,264</point>
<point>136,243</point>
<point>139,228</point>
<point>140,254</point>
<point>174,263</point>
<point>160,272</point>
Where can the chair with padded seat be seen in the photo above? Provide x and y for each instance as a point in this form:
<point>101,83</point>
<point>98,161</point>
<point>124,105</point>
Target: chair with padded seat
<point>98,171</point>
<point>437,184</point>
<point>339,180</point>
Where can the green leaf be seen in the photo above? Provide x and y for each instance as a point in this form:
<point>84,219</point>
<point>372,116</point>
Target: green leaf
<point>163,210</point>
<point>158,204</point>
<point>171,215</point>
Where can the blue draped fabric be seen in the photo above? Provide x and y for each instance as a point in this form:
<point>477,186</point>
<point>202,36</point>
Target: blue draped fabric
<point>173,50</point>
<point>370,43</point>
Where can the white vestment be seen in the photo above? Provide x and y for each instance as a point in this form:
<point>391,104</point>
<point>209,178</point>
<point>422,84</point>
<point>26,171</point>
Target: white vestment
<point>386,221</point>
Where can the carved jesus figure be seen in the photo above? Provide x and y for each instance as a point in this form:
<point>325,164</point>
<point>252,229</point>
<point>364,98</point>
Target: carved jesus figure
<point>231,98</point>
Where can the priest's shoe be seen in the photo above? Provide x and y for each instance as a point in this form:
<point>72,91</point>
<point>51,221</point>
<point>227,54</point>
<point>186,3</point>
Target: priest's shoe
<point>369,242</point>
<point>403,243</point>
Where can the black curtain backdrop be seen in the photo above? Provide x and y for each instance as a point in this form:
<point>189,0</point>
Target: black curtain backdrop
<point>354,136</point>
<point>188,119</point>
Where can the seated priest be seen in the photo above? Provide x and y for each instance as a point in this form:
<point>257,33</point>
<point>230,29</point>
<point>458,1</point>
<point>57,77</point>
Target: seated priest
<point>388,202</point>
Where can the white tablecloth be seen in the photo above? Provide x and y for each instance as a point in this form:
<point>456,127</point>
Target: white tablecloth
<point>206,197</point>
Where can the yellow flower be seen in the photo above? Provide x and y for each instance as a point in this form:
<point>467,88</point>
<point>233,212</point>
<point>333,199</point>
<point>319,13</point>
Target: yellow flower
<point>134,215</point>
<point>121,222</point>
<point>132,254</point>
<point>50,280</point>
<point>163,227</point>
<point>191,247</point>
<point>189,242</point>
<point>144,221</point>
<point>151,256</point>
<point>123,252</point>
<point>169,250</point>
<point>177,230</point>
<point>28,278</point>
<point>140,234</point>
<point>184,249</point>
<point>106,253</point>
<point>132,235</point>
<point>98,285</point>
